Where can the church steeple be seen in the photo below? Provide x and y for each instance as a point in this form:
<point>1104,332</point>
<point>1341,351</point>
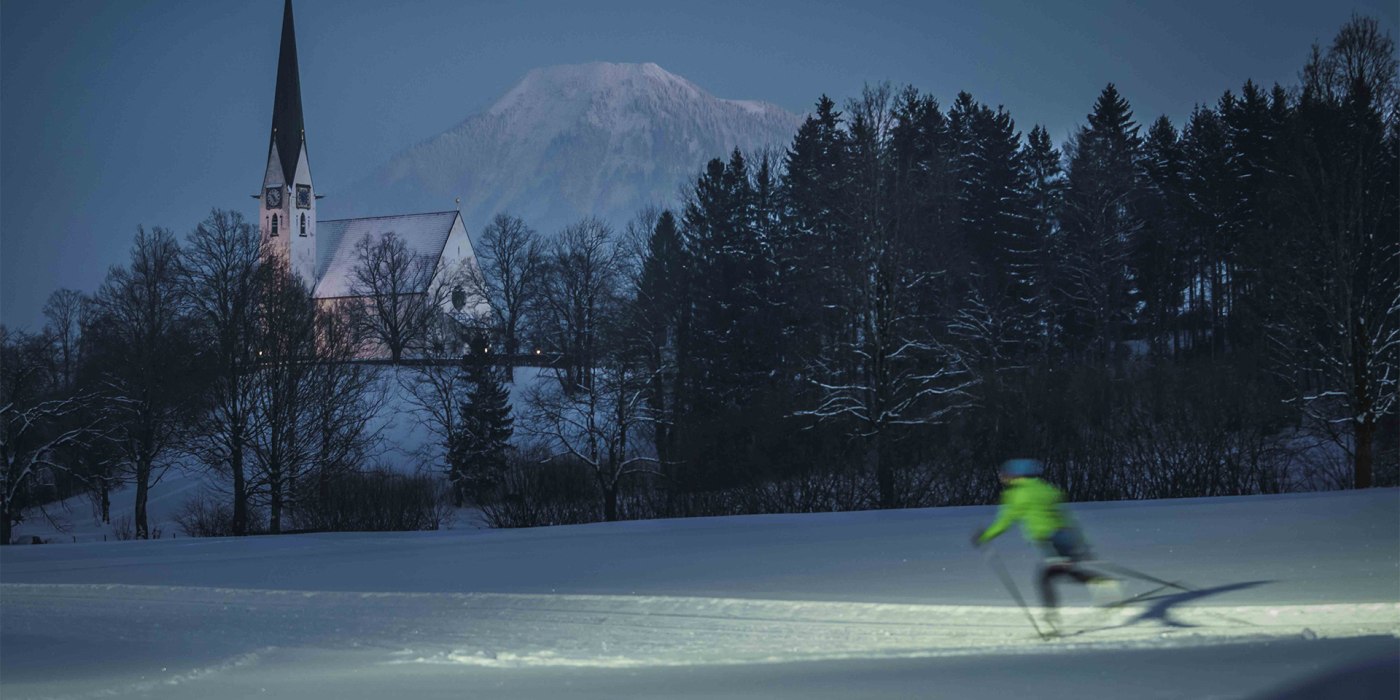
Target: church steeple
<point>288,210</point>
<point>288,130</point>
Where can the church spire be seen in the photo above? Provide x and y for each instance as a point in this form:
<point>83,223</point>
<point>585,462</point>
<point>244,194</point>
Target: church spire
<point>287,127</point>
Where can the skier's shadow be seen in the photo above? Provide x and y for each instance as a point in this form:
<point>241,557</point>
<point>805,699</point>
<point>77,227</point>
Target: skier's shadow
<point>1161,608</point>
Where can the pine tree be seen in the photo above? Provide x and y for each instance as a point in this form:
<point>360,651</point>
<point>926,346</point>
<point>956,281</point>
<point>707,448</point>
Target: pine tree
<point>477,455</point>
<point>1161,259</point>
<point>814,245</point>
<point>1210,181</point>
<point>1255,130</point>
<point>1102,223</point>
<point>659,311</point>
<point>731,342</point>
<point>1044,204</point>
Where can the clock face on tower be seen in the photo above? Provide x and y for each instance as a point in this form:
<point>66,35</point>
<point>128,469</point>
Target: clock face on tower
<point>273,197</point>
<point>303,196</point>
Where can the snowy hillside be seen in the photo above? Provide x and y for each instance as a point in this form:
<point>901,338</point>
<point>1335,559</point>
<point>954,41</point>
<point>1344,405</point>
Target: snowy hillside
<point>601,139</point>
<point>873,604</point>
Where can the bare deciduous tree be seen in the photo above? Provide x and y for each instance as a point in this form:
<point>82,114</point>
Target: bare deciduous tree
<point>580,288</point>
<point>346,399</point>
<point>399,293</point>
<point>144,336</point>
<point>285,395</point>
<point>222,259</point>
<point>63,311</point>
<point>1336,328</point>
<point>599,424</point>
<point>511,264</point>
<point>36,424</point>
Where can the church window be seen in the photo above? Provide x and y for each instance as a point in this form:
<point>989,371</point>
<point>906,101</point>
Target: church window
<point>303,225</point>
<point>274,224</point>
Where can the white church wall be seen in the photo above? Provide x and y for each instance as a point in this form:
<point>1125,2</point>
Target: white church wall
<point>456,266</point>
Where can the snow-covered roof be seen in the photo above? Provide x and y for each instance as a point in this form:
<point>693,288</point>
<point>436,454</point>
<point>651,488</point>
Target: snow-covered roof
<point>423,234</point>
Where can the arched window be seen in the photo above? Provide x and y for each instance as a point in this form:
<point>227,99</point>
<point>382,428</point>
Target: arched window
<point>274,224</point>
<point>303,225</point>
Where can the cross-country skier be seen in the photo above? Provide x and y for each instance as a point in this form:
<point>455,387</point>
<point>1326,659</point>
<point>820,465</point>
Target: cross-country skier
<point>1036,504</point>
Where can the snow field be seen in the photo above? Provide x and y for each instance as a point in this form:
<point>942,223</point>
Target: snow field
<point>757,606</point>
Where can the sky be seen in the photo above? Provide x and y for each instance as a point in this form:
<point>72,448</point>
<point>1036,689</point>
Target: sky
<point>130,113</point>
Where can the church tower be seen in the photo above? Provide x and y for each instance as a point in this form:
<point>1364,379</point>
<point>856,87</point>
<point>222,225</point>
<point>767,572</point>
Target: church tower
<point>287,213</point>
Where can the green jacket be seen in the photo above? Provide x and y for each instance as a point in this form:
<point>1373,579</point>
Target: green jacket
<point>1033,503</point>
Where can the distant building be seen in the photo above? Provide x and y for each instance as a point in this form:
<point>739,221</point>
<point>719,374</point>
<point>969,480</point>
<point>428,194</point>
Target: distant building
<point>322,253</point>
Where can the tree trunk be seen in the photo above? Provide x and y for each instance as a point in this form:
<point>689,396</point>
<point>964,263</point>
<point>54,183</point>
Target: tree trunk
<point>274,518</point>
<point>6,524</point>
<point>143,487</point>
<point>240,492</point>
<point>610,503</point>
<point>1365,434</point>
<point>884,476</point>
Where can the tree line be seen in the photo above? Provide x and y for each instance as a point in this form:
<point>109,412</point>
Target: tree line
<point>906,295</point>
<point>910,293</point>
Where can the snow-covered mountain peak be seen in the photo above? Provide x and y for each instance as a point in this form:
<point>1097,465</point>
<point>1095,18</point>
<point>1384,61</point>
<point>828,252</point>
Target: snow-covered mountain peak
<point>568,141</point>
<point>589,80</point>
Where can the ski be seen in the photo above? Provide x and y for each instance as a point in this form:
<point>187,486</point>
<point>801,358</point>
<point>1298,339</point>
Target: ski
<point>1136,597</point>
<point>1095,623</point>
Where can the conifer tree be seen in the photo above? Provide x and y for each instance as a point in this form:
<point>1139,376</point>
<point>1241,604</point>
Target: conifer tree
<point>815,237</point>
<point>1102,224</point>
<point>659,310</point>
<point>1210,182</point>
<point>1160,255</point>
<point>478,453</point>
<point>1044,204</point>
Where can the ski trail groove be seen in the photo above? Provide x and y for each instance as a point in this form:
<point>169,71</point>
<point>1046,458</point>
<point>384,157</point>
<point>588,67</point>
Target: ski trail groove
<point>624,631</point>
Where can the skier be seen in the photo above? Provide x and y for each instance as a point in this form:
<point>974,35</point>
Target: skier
<point>1036,505</point>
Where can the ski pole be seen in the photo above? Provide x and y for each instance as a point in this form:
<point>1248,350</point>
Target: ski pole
<point>1133,573</point>
<point>995,562</point>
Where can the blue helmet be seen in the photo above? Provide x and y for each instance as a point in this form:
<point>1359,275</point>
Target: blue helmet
<point>1022,467</point>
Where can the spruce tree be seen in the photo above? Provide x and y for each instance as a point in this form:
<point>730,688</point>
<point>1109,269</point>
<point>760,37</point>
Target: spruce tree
<point>1044,205</point>
<point>478,453</point>
<point>659,314</point>
<point>1211,182</point>
<point>1102,225</point>
<point>1161,258</point>
<point>815,237</point>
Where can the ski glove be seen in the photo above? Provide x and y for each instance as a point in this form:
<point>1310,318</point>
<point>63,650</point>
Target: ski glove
<point>977,539</point>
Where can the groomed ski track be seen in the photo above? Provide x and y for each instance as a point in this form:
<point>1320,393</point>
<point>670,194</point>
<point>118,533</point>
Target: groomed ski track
<point>767,606</point>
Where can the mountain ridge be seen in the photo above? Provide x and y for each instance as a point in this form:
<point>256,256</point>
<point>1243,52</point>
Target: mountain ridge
<point>569,141</point>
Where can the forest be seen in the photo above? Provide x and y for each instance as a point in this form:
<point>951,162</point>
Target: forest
<point>875,316</point>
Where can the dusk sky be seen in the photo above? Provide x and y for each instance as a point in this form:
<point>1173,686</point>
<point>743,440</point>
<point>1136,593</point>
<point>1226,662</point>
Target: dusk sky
<point>126,113</point>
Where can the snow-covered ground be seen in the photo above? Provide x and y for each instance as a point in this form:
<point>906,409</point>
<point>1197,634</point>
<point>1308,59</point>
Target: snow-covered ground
<point>407,447</point>
<point>875,604</point>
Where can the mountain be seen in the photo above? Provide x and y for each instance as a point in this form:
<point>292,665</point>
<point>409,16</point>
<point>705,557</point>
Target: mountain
<point>599,139</point>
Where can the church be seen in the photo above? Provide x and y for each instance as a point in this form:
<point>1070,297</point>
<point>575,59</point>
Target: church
<point>323,253</point>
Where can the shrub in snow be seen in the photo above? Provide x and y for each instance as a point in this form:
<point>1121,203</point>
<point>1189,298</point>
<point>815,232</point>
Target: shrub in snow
<point>378,500</point>
<point>206,517</point>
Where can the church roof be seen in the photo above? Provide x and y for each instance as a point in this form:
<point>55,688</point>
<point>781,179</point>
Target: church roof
<point>422,234</point>
<point>288,129</point>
